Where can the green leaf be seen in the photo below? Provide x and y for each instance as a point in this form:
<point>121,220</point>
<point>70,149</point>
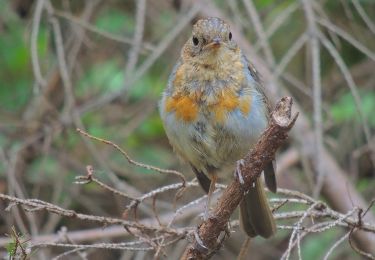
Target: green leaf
<point>11,248</point>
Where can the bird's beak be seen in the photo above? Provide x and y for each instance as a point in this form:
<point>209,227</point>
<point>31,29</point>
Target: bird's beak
<point>215,44</point>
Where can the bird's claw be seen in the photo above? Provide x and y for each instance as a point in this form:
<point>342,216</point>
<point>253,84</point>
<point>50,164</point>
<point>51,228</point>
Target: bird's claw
<point>207,215</point>
<point>240,163</point>
<point>199,240</point>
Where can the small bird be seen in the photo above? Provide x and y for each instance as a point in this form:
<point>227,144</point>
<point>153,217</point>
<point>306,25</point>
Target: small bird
<point>213,110</point>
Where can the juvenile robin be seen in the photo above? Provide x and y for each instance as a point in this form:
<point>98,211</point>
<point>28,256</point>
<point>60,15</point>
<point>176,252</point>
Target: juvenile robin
<point>214,110</point>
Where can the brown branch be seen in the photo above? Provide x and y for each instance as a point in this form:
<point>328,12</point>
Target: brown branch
<point>263,152</point>
<point>32,205</point>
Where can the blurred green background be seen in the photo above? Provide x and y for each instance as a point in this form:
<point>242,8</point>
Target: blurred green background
<point>41,152</point>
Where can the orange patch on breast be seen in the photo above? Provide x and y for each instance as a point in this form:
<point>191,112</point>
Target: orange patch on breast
<point>185,107</point>
<point>244,105</point>
<point>227,102</point>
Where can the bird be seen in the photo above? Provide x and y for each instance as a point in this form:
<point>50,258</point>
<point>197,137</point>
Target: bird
<point>213,110</point>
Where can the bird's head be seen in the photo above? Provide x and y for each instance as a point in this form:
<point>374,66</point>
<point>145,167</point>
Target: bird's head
<point>210,42</point>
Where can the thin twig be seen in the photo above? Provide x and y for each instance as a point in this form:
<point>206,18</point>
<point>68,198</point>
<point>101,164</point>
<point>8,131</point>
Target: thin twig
<point>343,34</point>
<point>84,24</point>
<point>89,178</point>
<point>256,22</point>
<point>336,244</point>
<point>137,38</point>
<point>317,95</point>
<point>279,21</point>
<point>353,89</point>
<point>130,160</point>
<point>34,43</point>
<point>37,205</point>
<point>364,16</point>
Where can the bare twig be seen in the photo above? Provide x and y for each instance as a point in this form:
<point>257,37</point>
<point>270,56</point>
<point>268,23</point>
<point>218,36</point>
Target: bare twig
<point>34,43</point>
<point>84,24</point>
<point>89,178</point>
<point>244,249</point>
<point>61,58</point>
<point>343,34</point>
<point>279,20</point>
<point>37,205</point>
<point>137,39</point>
<point>256,22</point>
<point>130,160</point>
<point>336,244</point>
<point>364,16</point>
<point>288,56</point>
<point>317,94</point>
<point>353,89</point>
<point>356,249</point>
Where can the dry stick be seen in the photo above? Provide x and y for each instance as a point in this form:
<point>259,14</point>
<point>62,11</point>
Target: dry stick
<point>257,24</point>
<point>317,95</point>
<point>356,249</point>
<point>361,214</point>
<point>262,153</point>
<point>34,43</point>
<point>112,231</point>
<point>145,46</point>
<point>134,51</point>
<point>277,23</point>
<point>347,37</point>
<point>89,178</point>
<point>38,205</point>
<point>117,231</point>
<point>244,249</point>
<point>63,233</point>
<point>364,16</point>
<point>336,244</point>
<point>293,50</point>
<point>130,160</point>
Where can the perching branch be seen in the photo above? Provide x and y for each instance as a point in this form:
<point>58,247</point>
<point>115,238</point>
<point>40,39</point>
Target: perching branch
<point>263,152</point>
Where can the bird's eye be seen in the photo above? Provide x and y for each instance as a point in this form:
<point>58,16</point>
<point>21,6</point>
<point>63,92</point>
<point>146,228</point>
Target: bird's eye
<point>195,41</point>
<point>230,36</point>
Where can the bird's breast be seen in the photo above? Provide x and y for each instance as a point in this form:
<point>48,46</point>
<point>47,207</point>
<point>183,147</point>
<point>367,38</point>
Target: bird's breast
<point>211,88</point>
<point>215,106</point>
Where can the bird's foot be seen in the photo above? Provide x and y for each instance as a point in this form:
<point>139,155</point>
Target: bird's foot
<point>199,240</point>
<point>238,174</point>
<point>207,213</point>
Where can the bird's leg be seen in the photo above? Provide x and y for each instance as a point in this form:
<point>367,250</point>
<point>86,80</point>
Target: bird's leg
<point>210,192</point>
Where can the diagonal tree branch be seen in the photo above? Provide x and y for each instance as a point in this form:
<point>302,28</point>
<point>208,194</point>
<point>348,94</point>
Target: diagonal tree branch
<point>264,151</point>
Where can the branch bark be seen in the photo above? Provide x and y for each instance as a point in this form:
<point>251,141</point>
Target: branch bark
<point>264,151</point>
